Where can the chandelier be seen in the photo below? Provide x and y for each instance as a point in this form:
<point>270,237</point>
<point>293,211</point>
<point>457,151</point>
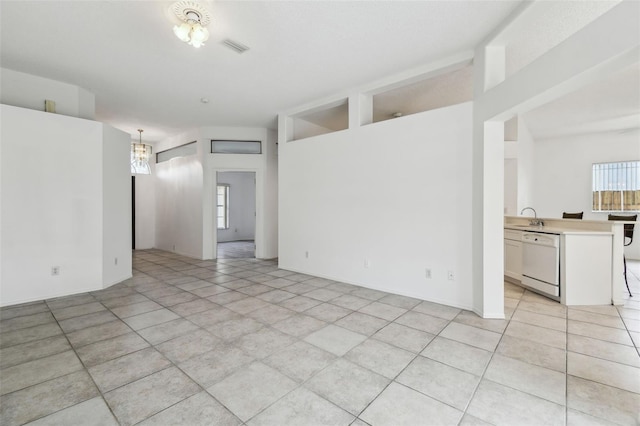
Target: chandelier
<point>193,18</point>
<point>140,155</point>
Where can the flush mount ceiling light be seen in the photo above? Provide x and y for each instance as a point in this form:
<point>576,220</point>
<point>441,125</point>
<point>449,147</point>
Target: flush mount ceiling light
<point>194,19</point>
<point>140,155</point>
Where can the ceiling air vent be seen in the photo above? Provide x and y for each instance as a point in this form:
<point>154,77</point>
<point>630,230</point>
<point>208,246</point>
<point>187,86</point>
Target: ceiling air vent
<point>234,45</point>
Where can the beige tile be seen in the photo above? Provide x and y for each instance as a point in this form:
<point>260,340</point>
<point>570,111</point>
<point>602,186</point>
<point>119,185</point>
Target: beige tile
<point>335,340</point>
<point>595,318</point>
<point>470,318</point>
<point>533,353</point>
<point>327,312</point>
<point>382,310</point>
<point>96,333</point>
<point>37,371</point>
<point>555,309</point>
<point>473,336</point>
<point>615,352</point>
<point>539,381</point>
<point>437,310</point>
<point>166,331</point>
<point>422,322</point>
<point>399,405</point>
<point>515,407</point>
<point>95,409</point>
<point>347,385</point>
<point>99,352</point>
<point>302,407</point>
<point>149,319</point>
<point>271,314</point>
<point>26,335</point>
<point>252,389</point>
<point>212,366</point>
<point>362,323</point>
<point>577,418</point>
<point>136,309</point>
<point>189,345</point>
<point>380,357</point>
<point>599,309</point>
<point>199,409</point>
<point>446,384</point>
<point>599,332</point>
<point>601,401</point>
<point>143,398</point>
<point>541,335</point>
<point>299,325</point>
<point>234,328</point>
<point>404,337</point>
<point>299,303</point>
<point>455,354</point>
<point>213,316</point>
<point>23,310</point>
<point>399,301</point>
<point>264,342</point>
<point>27,321</point>
<point>603,371</point>
<point>84,321</point>
<point>349,301</point>
<point>300,361</point>
<point>540,320</point>
<point>26,352</point>
<point>46,398</point>
<point>127,368</point>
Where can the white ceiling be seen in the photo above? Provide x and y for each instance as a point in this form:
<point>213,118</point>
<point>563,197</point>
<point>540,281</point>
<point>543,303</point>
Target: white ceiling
<point>612,104</point>
<point>144,77</point>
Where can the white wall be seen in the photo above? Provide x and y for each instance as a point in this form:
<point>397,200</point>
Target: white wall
<point>146,210</point>
<point>242,206</point>
<point>603,47</point>
<point>562,173</point>
<point>396,193</point>
<point>179,206</point>
<point>116,206</point>
<point>510,186</point>
<point>30,91</point>
<point>265,167</point>
<point>185,191</point>
<point>54,210</point>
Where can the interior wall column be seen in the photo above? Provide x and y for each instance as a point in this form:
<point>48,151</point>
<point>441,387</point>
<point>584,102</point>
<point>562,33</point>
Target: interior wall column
<point>488,190</point>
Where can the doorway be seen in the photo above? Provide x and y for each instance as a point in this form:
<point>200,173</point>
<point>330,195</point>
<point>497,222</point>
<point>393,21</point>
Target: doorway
<point>235,214</point>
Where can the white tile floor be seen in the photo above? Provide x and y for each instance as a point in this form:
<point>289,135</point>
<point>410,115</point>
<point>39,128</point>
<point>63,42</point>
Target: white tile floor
<point>239,341</point>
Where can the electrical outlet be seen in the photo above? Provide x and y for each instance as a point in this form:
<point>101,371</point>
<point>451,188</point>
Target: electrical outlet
<point>451,276</point>
<point>115,262</point>
<point>55,270</point>
<point>427,273</point>
<point>367,263</point>
<point>306,254</point>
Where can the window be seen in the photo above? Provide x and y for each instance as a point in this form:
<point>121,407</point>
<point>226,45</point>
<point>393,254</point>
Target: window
<point>616,186</point>
<point>223,206</point>
<point>236,147</point>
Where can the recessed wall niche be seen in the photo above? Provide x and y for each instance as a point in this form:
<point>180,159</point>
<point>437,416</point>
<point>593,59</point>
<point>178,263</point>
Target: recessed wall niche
<point>327,118</point>
<point>450,87</point>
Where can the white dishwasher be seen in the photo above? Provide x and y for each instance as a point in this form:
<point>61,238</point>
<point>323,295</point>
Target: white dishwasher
<point>541,262</point>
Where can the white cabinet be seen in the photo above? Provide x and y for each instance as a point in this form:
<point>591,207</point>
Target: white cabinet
<point>513,254</point>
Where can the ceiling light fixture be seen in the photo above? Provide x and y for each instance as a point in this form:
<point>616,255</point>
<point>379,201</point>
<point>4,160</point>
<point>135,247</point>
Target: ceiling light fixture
<point>193,18</point>
<point>140,155</point>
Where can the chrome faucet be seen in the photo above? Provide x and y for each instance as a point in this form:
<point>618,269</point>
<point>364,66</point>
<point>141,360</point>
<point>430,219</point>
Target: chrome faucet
<point>535,221</point>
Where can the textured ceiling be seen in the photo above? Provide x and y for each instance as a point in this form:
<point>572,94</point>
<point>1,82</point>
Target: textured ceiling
<point>144,77</point>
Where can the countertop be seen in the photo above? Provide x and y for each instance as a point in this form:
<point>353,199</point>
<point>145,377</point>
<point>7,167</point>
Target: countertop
<point>553,230</point>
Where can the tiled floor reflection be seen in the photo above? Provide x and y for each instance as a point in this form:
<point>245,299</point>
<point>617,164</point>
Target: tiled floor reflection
<point>239,341</point>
